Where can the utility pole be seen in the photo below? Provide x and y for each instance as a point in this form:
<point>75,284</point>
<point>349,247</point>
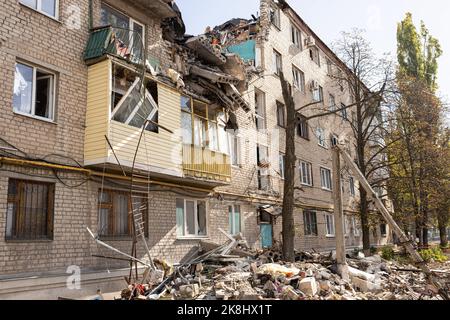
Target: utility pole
<point>342,266</point>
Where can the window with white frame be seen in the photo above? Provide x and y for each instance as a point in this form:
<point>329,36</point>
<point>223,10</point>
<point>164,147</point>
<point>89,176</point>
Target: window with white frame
<point>234,219</point>
<point>329,67</point>
<point>318,94</point>
<point>263,167</point>
<point>325,179</point>
<point>352,186</point>
<point>131,32</point>
<point>306,177</point>
<point>47,7</point>
<point>330,225</point>
<point>34,91</point>
<point>321,137</point>
<point>282,162</point>
<point>277,62</point>
<point>260,110</point>
<point>235,148</point>
<point>296,37</point>
<point>299,78</point>
<point>191,218</point>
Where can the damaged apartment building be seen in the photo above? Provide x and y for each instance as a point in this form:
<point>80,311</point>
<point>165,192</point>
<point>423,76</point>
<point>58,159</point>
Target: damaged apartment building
<point>108,108</point>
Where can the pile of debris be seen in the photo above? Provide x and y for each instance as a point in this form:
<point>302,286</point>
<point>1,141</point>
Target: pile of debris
<point>234,272</point>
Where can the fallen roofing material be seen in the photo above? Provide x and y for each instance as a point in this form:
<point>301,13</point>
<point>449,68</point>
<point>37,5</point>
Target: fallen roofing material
<point>214,76</point>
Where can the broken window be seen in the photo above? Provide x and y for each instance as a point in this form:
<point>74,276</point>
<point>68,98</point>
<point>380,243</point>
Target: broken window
<point>334,140</point>
<point>330,225</point>
<point>306,177</point>
<point>47,7</point>
<point>325,179</point>
<point>263,167</point>
<point>130,33</point>
<point>383,229</point>
<point>30,210</point>
<point>314,55</point>
<point>277,63</point>
<point>132,103</point>
<point>115,213</point>
<point>302,127</point>
<point>34,91</point>
<point>275,17</point>
<point>281,119</point>
<point>296,37</point>
<point>191,218</point>
<point>234,219</point>
<point>310,223</point>
<point>260,110</point>
<point>299,78</point>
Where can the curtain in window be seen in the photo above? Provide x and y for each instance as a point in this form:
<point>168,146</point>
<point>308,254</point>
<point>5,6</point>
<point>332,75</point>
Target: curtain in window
<point>23,88</point>
<point>201,218</point>
<point>190,218</point>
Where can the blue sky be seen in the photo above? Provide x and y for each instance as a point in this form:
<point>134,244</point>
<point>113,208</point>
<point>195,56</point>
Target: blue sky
<point>329,17</point>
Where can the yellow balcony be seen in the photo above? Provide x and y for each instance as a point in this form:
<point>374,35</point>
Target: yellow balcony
<point>202,163</point>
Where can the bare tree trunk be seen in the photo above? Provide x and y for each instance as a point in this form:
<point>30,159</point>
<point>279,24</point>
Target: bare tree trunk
<point>289,180</point>
<point>443,224</point>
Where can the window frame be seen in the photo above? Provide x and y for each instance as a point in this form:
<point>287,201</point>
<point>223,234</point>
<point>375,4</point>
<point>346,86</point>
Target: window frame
<point>308,167</point>
<point>235,141</point>
<point>52,105</point>
<point>299,81</point>
<point>383,233</point>
<point>281,122</point>
<point>310,227</point>
<point>232,228</point>
<point>260,118</point>
<point>356,232</point>
<point>275,17</point>
<point>303,127</point>
<point>352,186</point>
<point>39,9</point>
<point>296,37</point>
<point>344,112</point>
<point>326,178</point>
<point>277,57</point>
<point>332,106</point>
<point>329,217</point>
<point>16,201</point>
<point>282,165</point>
<point>112,215</point>
<point>321,137</point>
<point>196,235</point>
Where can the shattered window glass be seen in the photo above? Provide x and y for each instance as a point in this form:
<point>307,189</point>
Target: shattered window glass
<point>134,108</point>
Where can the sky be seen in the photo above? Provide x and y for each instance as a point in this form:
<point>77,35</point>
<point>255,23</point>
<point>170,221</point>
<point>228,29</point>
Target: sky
<point>330,17</point>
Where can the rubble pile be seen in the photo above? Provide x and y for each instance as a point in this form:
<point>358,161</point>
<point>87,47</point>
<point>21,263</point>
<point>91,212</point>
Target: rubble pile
<point>234,272</point>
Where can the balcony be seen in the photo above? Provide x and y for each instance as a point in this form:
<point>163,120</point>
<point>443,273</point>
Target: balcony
<point>202,163</point>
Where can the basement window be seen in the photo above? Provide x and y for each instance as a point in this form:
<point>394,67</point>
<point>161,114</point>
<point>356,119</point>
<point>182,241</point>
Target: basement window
<point>191,218</point>
<point>30,210</point>
<point>132,103</point>
<point>34,92</point>
<point>47,7</point>
<point>114,209</point>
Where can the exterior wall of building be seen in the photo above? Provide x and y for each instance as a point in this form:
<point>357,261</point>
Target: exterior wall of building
<point>60,49</point>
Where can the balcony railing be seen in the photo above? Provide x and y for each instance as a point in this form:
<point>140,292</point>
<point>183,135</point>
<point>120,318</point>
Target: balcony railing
<point>202,163</point>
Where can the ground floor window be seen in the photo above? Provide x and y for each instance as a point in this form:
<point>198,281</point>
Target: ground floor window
<point>30,210</point>
<point>330,225</point>
<point>115,213</point>
<point>191,218</point>
<point>234,218</point>
<point>310,223</point>
<point>383,230</point>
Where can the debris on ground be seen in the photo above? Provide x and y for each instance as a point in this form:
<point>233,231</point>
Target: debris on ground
<point>234,272</point>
